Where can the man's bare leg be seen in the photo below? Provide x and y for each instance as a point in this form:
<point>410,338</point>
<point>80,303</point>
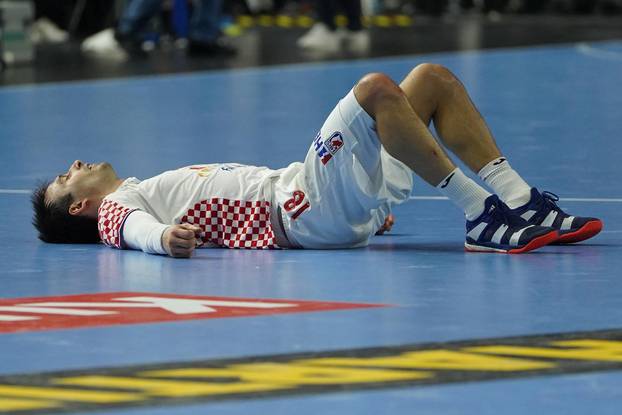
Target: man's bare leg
<point>402,132</point>
<point>406,137</point>
<point>435,94</point>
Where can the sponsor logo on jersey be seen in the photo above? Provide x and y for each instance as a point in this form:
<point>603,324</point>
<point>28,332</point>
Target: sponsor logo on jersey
<point>257,377</point>
<point>334,143</point>
<point>206,170</point>
<point>203,171</point>
<point>105,309</point>
<point>229,166</point>
<point>326,149</point>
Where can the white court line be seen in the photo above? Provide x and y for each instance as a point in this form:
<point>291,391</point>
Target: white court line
<point>589,50</point>
<point>15,191</point>
<point>565,199</point>
<point>429,198</point>
<point>595,200</point>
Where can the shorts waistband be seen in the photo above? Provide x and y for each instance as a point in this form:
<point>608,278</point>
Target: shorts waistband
<point>276,218</point>
<point>278,228</point>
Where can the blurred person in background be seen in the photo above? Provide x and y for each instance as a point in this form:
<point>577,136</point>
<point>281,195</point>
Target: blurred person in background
<point>205,37</point>
<point>56,20</point>
<point>324,35</point>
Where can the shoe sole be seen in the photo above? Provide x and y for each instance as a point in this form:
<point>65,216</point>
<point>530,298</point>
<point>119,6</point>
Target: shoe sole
<point>539,242</point>
<point>586,231</point>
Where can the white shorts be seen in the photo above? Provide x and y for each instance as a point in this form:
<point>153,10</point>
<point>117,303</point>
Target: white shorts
<point>346,185</point>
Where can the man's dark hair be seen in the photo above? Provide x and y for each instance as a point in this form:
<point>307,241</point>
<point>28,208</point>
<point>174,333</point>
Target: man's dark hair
<point>56,225</point>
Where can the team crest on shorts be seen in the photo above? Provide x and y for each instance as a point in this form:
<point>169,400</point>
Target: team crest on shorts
<point>326,149</point>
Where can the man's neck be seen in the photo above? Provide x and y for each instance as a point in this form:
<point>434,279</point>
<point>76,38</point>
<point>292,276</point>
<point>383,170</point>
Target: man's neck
<point>114,186</point>
<point>118,183</point>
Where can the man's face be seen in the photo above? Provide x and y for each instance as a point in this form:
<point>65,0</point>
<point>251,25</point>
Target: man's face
<point>82,180</point>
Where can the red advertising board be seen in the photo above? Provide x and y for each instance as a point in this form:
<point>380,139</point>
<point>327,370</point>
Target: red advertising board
<point>105,309</point>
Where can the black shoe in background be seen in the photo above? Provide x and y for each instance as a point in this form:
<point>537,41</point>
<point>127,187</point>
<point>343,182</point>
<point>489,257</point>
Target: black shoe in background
<point>214,48</point>
<point>132,45</point>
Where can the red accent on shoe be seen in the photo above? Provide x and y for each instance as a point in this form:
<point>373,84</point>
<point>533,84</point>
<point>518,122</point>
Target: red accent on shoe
<point>536,243</point>
<point>586,231</point>
<point>539,242</point>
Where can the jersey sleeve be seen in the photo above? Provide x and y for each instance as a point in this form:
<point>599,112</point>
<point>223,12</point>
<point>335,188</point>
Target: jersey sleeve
<point>123,227</point>
<point>111,217</point>
<point>143,232</point>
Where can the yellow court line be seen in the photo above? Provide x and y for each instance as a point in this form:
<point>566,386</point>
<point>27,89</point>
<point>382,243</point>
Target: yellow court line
<point>76,395</point>
<point>11,405</point>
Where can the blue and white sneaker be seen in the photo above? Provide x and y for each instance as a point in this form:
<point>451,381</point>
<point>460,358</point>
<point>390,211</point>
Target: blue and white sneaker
<point>499,230</point>
<point>542,210</point>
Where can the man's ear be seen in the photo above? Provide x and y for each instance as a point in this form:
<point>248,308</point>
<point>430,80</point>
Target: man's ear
<point>78,207</point>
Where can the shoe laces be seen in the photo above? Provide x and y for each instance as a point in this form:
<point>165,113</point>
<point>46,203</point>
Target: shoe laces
<point>502,212</point>
<point>551,199</point>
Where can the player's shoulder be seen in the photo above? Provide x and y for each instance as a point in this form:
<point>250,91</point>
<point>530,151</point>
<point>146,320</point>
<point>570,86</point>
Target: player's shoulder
<point>125,190</point>
<point>111,216</point>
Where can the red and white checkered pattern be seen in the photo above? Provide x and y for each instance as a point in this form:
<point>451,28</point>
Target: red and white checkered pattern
<point>110,218</point>
<point>233,223</point>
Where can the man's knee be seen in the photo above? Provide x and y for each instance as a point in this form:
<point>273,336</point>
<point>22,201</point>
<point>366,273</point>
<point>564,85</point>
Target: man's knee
<point>375,90</point>
<point>433,74</point>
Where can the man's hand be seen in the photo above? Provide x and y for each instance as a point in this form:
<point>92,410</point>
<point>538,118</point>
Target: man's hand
<point>387,225</point>
<point>179,241</point>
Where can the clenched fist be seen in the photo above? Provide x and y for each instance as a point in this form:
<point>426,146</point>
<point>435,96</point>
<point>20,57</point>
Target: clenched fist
<point>387,225</point>
<point>179,241</point>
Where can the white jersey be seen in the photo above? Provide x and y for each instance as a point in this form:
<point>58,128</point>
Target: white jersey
<point>232,204</point>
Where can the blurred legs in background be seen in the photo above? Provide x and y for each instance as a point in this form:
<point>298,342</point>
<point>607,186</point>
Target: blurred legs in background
<point>325,36</point>
<point>56,20</point>
<point>204,37</point>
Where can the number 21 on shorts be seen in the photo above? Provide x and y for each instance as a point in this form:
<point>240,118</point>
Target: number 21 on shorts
<point>297,204</point>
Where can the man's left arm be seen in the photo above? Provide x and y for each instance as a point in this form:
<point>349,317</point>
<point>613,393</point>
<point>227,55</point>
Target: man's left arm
<point>143,232</point>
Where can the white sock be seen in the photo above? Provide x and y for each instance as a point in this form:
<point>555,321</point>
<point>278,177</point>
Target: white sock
<point>464,193</point>
<point>504,181</point>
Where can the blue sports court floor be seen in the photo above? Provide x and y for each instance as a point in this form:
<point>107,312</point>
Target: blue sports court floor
<point>456,334</point>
